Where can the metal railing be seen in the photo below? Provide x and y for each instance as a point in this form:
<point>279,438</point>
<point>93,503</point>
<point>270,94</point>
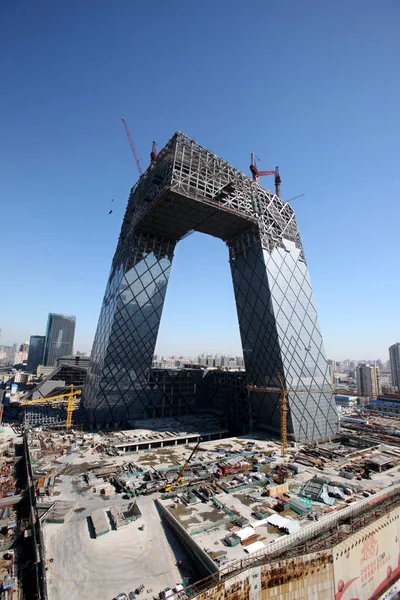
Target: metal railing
<point>310,531</point>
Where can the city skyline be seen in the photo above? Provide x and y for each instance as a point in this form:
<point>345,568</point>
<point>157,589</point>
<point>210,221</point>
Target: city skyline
<point>86,349</point>
<point>194,355</point>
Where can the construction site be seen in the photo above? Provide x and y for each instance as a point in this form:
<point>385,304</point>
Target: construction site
<point>178,509</point>
<point>212,484</point>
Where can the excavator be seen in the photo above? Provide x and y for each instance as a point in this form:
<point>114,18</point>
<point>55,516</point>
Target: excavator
<point>178,481</point>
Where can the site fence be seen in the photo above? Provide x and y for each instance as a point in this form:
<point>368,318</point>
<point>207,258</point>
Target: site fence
<point>273,552</point>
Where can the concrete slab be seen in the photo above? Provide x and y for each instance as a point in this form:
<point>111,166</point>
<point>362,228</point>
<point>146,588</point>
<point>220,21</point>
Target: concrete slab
<point>117,562</point>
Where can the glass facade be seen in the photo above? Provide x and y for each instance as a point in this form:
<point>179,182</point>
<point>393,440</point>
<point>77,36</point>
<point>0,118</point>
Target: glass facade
<point>60,335</point>
<point>280,336</point>
<point>35,353</point>
<point>189,188</point>
<point>118,387</point>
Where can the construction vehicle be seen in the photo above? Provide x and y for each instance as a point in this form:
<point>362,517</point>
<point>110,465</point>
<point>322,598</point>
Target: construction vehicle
<point>130,494</point>
<point>178,481</point>
<point>283,391</point>
<point>67,398</point>
<point>280,475</point>
<point>257,174</point>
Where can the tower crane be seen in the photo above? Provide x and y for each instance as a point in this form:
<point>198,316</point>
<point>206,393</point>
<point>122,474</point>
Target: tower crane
<point>179,478</point>
<point>132,145</point>
<point>283,391</point>
<point>257,174</point>
<point>153,153</point>
<point>68,398</point>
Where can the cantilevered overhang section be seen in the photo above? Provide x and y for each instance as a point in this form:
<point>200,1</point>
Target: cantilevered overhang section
<point>171,215</point>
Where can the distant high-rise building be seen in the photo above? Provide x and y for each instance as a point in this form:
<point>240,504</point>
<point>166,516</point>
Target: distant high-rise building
<point>394,355</point>
<point>21,377</point>
<point>20,358</point>
<point>367,380</point>
<point>7,354</point>
<point>59,338</point>
<point>24,347</point>
<point>35,353</point>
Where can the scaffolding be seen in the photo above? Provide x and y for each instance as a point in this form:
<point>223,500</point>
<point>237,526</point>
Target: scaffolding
<point>225,203</point>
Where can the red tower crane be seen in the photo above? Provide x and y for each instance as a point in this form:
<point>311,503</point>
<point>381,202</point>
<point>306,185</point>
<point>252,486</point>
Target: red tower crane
<point>153,153</point>
<point>257,174</point>
<point>132,145</point>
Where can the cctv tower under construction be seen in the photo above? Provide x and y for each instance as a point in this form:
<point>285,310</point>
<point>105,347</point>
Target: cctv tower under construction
<point>188,188</point>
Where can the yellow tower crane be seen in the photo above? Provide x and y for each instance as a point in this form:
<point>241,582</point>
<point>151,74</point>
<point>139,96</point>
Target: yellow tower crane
<point>68,398</point>
<point>282,404</point>
<point>178,481</point>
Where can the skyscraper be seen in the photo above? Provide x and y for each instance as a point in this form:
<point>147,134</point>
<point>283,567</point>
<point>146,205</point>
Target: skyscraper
<point>60,334</point>
<point>189,188</point>
<point>35,353</point>
<point>394,356</point>
<point>367,380</point>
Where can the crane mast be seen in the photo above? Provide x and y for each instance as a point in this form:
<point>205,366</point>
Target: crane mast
<point>68,398</point>
<point>257,174</point>
<point>132,145</point>
<point>283,406</point>
<point>179,478</point>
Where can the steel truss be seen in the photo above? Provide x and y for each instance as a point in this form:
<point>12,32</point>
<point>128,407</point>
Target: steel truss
<point>186,188</point>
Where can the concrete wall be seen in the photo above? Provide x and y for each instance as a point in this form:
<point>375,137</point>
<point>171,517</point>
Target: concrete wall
<point>203,561</point>
<point>361,566</point>
<point>312,530</point>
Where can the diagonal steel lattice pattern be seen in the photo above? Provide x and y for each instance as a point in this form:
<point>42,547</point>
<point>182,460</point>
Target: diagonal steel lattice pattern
<point>189,188</point>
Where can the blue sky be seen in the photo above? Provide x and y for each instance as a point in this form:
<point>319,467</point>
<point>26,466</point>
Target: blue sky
<point>311,86</point>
